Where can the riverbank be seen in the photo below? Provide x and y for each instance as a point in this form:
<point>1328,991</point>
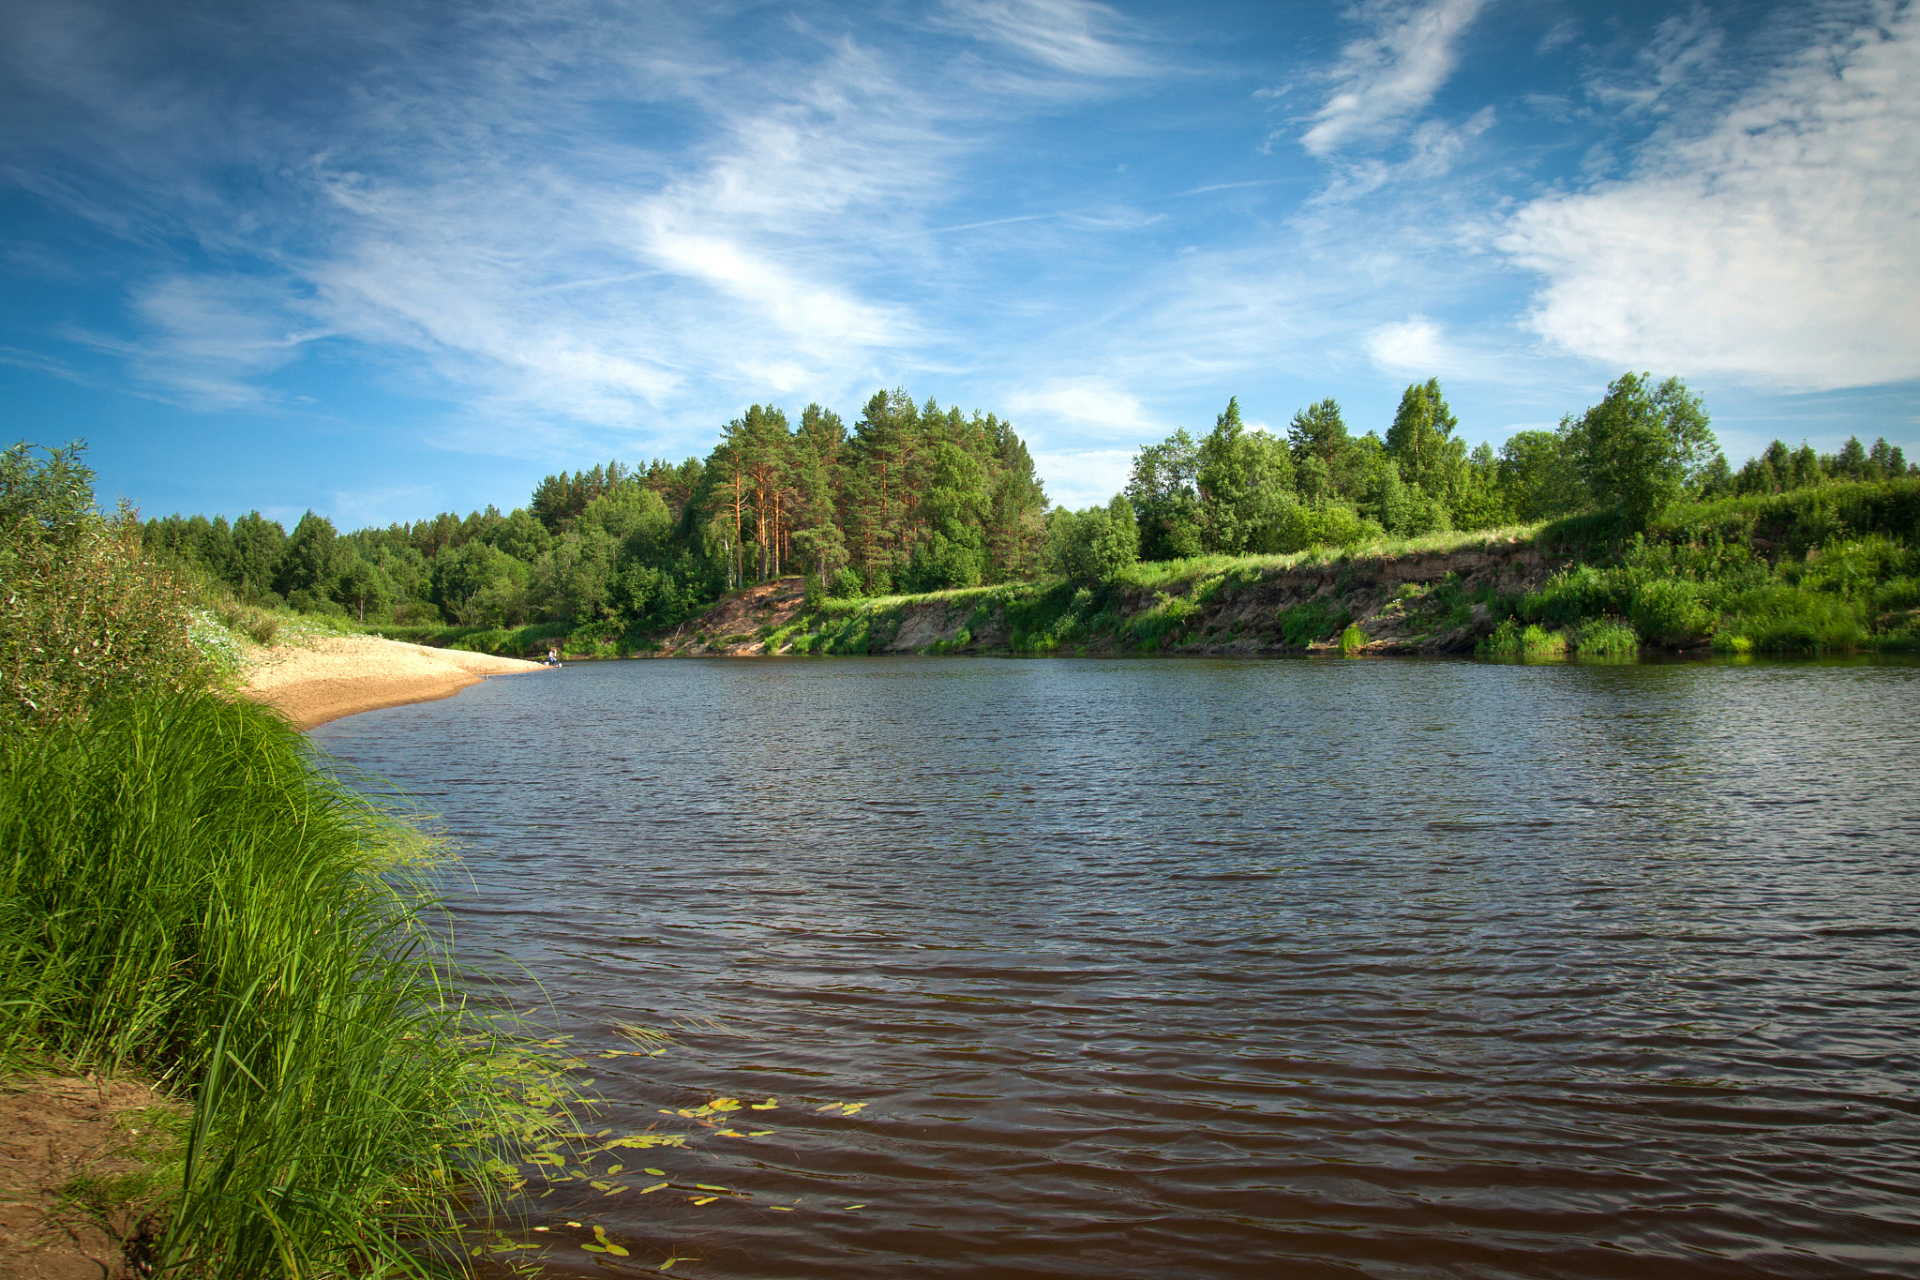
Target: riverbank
<point>327,677</point>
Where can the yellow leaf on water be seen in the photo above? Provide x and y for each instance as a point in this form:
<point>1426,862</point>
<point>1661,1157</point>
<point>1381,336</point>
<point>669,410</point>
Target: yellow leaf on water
<point>616,1250</point>
<point>658,1173</point>
<point>725,1104</point>
<point>613,1191</point>
<point>705,1199</point>
<point>852,1108</point>
<point>758,1133</point>
<point>764,1106</point>
<point>856,1206</point>
<point>594,1248</point>
<point>781,1208</point>
<point>831,1106</point>
<point>731,1133</point>
<point>647,1191</point>
<point>600,1186</point>
<point>708,1186</point>
<point>603,1133</point>
<point>614,1168</point>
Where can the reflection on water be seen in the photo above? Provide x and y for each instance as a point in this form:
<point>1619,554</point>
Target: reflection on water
<point>1301,968</point>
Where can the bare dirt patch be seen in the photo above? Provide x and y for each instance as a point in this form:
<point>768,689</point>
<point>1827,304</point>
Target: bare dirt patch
<point>58,1133</point>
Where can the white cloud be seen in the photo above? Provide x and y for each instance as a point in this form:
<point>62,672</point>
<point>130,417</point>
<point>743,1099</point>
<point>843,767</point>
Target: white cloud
<point>1068,35</point>
<point>1089,406</point>
<point>1388,78</point>
<point>1780,247</point>
<point>1410,346</point>
<point>1083,478</point>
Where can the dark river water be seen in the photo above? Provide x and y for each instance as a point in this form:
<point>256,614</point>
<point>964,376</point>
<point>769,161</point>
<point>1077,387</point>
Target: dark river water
<point>1212,968</point>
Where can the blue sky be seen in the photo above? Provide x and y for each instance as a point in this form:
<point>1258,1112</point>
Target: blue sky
<point>385,259</point>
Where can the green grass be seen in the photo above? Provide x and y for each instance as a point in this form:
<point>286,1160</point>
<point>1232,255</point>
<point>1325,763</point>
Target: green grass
<point>184,893</point>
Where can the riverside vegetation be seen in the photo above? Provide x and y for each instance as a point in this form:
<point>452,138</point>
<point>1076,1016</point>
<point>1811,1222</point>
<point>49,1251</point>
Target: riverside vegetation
<point>925,529</point>
<point>189,896</point>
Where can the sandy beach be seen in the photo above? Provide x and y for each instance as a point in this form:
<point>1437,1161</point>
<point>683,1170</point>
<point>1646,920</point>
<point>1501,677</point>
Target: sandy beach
<point>337,676</point>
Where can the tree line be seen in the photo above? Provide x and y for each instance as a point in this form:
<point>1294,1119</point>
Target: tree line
<point>919,498</point>
<point>1237,491</point>
<point>914,497</point>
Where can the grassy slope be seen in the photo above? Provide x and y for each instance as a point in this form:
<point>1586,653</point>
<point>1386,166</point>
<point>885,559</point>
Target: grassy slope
<point>1830,569</point>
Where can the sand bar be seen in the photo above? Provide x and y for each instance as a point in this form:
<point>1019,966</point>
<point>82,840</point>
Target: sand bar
<point>335,676</point>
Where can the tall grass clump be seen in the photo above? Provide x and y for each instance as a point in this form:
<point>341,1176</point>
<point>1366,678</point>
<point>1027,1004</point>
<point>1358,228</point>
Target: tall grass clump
<point>184,891</point>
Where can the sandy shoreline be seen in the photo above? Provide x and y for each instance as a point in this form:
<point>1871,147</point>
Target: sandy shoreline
<point>337,676</point>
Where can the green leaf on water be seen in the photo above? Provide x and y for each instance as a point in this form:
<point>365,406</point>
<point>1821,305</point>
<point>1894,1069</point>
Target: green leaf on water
<point>658,1173</point>
<point>708,1186</point>
<point>647,1191</point>
<point>705,1199</point>
<point>594,1248</point>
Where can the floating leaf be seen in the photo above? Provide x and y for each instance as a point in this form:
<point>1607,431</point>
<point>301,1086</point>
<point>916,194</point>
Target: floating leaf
<point>614,1168</point>
<point>856,1206</point>
<point>613,1191</point>
<point>852,1108</point>
<point>731,1133</point>
<point>764,1106</point>
<point>708,1186</point>
<point>594,1248</point>
<point>759,1133</point>
<point>616,1250</point>
<point>781,1208</point>
<point>647,1191</point>
<point>831,1106</point>
<point>600,1186</point>
<point>725,1104</point>
<point>658,1173</point>
<point>705,1199</point>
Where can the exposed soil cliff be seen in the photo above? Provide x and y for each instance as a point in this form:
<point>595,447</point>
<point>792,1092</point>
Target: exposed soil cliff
<point>1418,602</point>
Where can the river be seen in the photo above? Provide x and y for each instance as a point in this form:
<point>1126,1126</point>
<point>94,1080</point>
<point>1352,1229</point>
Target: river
<point>1207,968</point>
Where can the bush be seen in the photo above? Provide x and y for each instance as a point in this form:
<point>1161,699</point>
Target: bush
<point>1352,640</point>
<point>1671,613</point>
<point>85,612</point>
<point>1511,640</point>
<point>1781,619</point>
<point>1309,622</point>
<point>1606,638</point>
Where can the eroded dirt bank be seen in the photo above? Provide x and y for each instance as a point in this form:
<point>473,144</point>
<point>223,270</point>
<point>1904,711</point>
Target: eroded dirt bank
<point>1419,602</point>
<point>63,1139</point>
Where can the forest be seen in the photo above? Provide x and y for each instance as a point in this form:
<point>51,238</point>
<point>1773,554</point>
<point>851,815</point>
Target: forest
<point>918,498</point>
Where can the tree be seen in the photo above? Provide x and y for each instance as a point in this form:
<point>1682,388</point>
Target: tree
<point>1642,447</point>
<point>1095,545</point>
<point>1245,479</point>
<point>311,560</point>
<point>1538,476</point>
<point>1164,490</point>
<point>1421,441</point>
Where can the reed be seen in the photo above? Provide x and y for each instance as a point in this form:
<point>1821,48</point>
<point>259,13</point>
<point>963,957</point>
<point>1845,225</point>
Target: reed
<point>183,890</point>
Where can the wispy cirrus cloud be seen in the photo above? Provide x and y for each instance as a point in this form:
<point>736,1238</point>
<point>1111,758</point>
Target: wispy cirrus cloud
<point>1078,37</point>
<point>1385,79</point>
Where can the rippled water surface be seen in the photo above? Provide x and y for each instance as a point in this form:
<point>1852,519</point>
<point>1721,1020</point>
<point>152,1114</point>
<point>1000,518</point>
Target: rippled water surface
<point>1193,968</point>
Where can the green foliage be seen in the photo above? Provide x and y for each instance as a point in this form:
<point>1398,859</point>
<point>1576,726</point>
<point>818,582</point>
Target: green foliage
<point>1606,638</point>
<point>1642,447</point>
<point>189,893</point>
<point>1095,545</point>
<point>1352,640</point>
<point>1310,622</point>
<point>1780,619</point>
<point>85,612</point>
<point>1512,640</point>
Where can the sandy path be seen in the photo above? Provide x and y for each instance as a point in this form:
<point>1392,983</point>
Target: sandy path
<point>339,676</point>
